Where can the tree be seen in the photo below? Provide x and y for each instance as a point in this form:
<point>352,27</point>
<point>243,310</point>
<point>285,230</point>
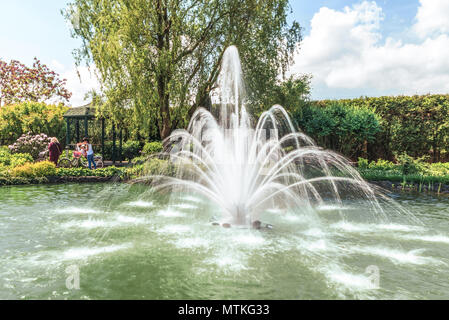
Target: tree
<point>292,93</point>
<point>33,117</point>
<point>162,58</point>
<point>19,83</point>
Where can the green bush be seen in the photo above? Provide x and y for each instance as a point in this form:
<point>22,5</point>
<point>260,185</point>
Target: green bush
<point>34,170</point>
<point>13,160</point>
<point>381,164</point>
<point>417,125</point>
<point>84,172</point>
<point>410,165</point>
<point>131,149</point>
<point>339,127</point>
<point>152,148</point>
<point>34,117</point>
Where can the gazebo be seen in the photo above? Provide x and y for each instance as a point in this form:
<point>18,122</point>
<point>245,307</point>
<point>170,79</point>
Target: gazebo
<point>85,114</point>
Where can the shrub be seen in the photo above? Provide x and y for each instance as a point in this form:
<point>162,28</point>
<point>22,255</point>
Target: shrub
<point>339,127</point>
<point>417,125</point>
<point>13,160</point>
<point>34,117</point>
<point>131,149</point>
<point>410,165</point>
<point>31,144</point>
<point>44,169</point>
<point>84,172</point>
<point>362,163</point>
<point>3,170</point>
<point>152,147</point>
<point>381,164</point>
<point>34,170</point>
<point>25,171</point>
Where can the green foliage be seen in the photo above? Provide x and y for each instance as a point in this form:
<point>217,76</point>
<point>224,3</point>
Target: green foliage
<point>111,171</point>
<point>293,93</point>
<point>381,164</point>
<point>131,149</point>
<point>407,170</point>
<point>162,58</point>
<point>417,125</point>
<point>410,165</point>
<point>34,170</point>
<point>33,117</point>
<point>338,126</point>
<point>152,148</point>
<point>362,163</point>
<point>13,160</point>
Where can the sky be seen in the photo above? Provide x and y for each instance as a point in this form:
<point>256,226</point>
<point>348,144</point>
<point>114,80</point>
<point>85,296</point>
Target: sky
<point>351,48</point>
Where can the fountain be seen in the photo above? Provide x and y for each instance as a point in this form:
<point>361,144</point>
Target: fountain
<point>335,235</point>
<point>246,169</point>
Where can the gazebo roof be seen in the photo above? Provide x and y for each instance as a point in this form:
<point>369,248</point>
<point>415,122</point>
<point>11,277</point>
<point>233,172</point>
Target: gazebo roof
<point>82,112</point>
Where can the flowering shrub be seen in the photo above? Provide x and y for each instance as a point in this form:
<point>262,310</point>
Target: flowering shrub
<point>28,143</point>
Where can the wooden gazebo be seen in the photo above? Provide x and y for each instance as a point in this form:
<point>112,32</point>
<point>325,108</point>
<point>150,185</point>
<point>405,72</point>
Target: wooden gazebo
<point>84,114</point>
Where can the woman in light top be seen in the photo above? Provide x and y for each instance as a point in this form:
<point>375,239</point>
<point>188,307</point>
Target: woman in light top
<point>90,153</point>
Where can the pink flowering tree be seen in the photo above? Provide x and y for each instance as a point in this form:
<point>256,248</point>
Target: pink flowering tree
<point>20,83</point>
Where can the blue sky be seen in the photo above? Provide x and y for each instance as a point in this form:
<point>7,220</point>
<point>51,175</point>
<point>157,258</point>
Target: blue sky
<point>399,14</point>
<point>353,48</point>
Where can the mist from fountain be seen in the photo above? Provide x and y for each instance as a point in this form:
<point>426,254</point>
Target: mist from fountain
<point>247,170</point>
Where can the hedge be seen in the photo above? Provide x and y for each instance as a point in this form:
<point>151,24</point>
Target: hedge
<point>417,125</point>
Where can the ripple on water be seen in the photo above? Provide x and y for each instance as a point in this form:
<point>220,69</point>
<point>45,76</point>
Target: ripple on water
<point>168,213</point>
<point>174,229</point>
<point>397,256</point>
<point>77,210</point>
<point>120,221</point>
<point>354,282</point>
<point>86,252</point>
<point>197,242</point>
<point>369,228</point>
<point>427,238</point>
<point>140,204</point>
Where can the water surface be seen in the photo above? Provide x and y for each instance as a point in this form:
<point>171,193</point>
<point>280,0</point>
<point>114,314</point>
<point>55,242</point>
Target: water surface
<point>129,243</point>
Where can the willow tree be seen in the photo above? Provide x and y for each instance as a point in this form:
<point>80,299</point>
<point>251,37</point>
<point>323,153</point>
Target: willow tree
<point>161,58</point>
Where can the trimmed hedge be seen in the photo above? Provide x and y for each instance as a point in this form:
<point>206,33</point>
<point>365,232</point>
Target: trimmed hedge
<point>417,125</point>
<point>340,127</point>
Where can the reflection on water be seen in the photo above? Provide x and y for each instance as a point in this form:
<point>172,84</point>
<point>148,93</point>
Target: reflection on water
<point>130,243</point>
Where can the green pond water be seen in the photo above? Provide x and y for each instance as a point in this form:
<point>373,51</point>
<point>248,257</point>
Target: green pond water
<point>128,243</point>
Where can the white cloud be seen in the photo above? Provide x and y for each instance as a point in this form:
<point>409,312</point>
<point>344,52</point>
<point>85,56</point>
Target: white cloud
<point>432,18</point>
<point>345,51</point>
<point>80,81</point>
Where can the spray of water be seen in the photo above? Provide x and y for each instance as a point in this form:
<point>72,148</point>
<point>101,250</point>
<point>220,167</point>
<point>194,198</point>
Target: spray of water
<point>248,169</point>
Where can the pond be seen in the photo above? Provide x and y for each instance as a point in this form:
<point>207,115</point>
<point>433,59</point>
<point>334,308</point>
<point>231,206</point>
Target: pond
<point>125,242</point>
